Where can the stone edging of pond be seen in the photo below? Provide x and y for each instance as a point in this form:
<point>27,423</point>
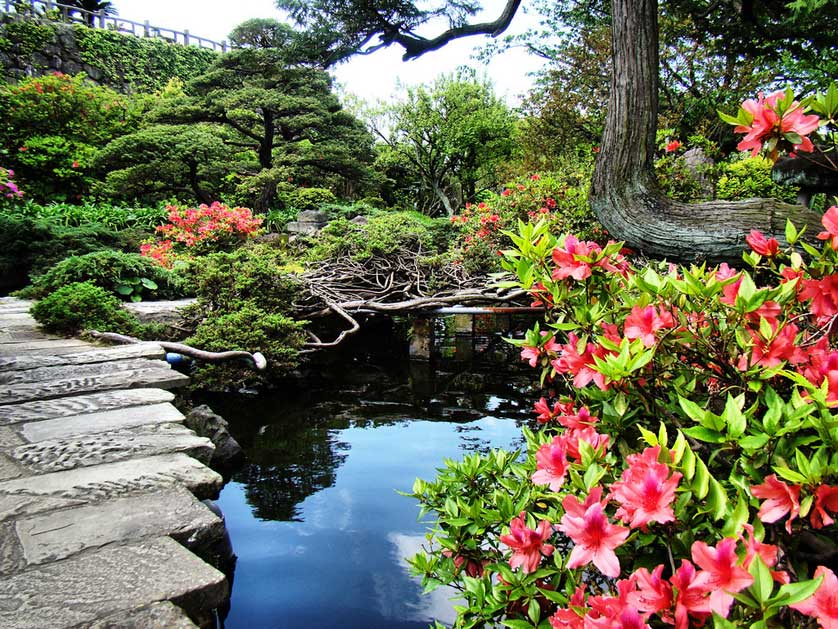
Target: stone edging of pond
<point>102,522</point>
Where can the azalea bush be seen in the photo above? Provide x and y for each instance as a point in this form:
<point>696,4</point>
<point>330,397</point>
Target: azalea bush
<point>778,123</point>
<point>8,187</point>
<point>559,198</point>
<point>201,230</point>
<point>683,469</point>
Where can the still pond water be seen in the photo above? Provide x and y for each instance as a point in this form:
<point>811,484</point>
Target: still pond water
<point>315,516</point>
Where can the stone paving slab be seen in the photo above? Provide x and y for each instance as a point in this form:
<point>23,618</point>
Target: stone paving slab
<point>82,404</point>
<point>173,512</point>
<point>104,421</point>
<point>163,615</point>
<point>106,447</point>
<point>111,480</point>
<point>104,354</point>
<point>62,372</point>
<point>139,378</point>
<point>18,344</point>
<point>95,585</point>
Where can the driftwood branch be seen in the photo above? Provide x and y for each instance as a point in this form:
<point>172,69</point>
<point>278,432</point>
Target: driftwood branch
<point>258,360</point>
<point>355,326</point>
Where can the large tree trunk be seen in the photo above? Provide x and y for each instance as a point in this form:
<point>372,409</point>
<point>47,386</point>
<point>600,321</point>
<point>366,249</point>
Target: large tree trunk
<point>624,193</point>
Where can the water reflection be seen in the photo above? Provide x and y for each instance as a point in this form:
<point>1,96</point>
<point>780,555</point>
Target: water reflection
<point>314,516</point>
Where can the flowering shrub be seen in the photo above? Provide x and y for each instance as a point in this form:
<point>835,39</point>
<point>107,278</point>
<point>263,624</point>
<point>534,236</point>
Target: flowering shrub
<point>200,230</point>
<point>778,123</point>
<point>560,199</point>
<point>725,511</point>
<point>8,187</point>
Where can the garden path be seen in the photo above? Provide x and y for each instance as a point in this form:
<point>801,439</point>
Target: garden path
<point>101,519</point>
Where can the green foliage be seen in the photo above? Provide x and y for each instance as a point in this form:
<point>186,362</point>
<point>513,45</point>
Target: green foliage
<point>745,177</point>
<point>51,128</point>
<point>225,282</point>
<point>383,234</point>
<point>311,198</point>
<point>161,161</point>
<point>83,306</point>
<point>140,64</point>
<point>249,329</point>
<point>244,298</point>
<point>88,213</point>
<point>449,140</point>
<point>114,271</point>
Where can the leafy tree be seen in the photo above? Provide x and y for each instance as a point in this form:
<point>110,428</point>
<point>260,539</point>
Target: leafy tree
<point>452,137</point>
<point>161,161</point>
<point>285,114</point>
<point>624,193</point>
<point>51,127</point>
<point>90,7</point>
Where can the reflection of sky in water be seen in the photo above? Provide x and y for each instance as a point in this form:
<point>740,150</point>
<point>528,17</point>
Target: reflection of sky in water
<point>342,564</point>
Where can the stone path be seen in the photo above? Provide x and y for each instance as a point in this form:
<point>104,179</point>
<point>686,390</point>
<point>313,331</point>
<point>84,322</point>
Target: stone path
<point>101,519</point>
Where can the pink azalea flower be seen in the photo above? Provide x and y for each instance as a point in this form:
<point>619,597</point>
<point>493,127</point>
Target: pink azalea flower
<point>773,352</point>
<point>823,604</point>
<point>824,296</point>
<point>645,490</point>
<point>595,539</point>
<point>596,440</point>
<point>721,575</point>
<point>830,221</point>
<point>690,598</point>
<point>642,324</point>
<point>578,420</point>
<point>532,354</point>
<point>826,499</point>
<point>730,291</point>
<point>780,499</point>
<point>654,594</point>
<point>767,123</point>
<point>545,413</point>
<point>823,365</point>
<point>552,464</point>
<point>577,509</point>
<point>570,618</point>
<point>570,361</point>
<point>767,552</point>
<point>768,247</point>
<point>575,259</point>
<point>614,612</point>
<point>527,544</point>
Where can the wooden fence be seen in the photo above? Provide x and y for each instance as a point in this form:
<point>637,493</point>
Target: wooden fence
<point>55,11</point>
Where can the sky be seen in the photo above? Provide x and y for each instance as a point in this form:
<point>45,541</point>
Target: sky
<point>373,77</point>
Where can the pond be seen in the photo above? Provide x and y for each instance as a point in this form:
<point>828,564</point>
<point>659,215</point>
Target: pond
<point>315,516</point>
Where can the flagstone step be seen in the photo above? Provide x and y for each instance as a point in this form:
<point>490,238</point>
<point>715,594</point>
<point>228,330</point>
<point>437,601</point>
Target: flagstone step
<point>104,354</point>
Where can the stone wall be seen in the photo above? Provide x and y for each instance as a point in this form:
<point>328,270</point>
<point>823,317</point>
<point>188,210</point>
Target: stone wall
<point>32,47</point>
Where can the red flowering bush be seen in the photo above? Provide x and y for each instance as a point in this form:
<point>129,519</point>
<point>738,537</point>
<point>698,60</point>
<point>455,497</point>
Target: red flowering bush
<point>560,199</point>
<point>724,512</point>
<point>201,230</point>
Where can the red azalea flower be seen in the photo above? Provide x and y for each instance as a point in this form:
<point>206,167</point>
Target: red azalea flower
<point>830,221</point>
<point>690,598</point>
<point>768,247</point>
<point>780,499</point>
<point>826,499</point>
<point>673,146</point>
<point>824,296</point>
<point>654,594</point>
<point>642,324</point>
<point>527,544</point>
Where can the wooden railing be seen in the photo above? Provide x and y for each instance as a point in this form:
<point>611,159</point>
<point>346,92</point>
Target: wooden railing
<point>47,9</point>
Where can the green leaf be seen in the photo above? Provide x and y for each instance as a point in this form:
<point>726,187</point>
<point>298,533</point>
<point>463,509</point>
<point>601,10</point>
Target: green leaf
<point>704,434</point>
<point>517,624</point>
<point>753,442</point>
<point>149,284</point>
<point>717,499</point>
<point>124,289</point>
<point>792,593</point>
<point>722,623</point>
<point>763,583</point>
